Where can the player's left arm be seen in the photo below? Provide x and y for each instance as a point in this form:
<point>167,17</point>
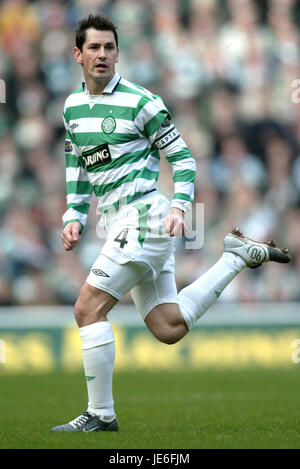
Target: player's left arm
<point>154,122</point>
<point>176,152</point>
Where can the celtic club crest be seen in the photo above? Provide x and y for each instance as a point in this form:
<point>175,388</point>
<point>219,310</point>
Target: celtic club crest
<point>108,125</point>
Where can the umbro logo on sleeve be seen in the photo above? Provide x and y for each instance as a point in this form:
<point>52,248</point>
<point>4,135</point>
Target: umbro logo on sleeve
<point>99,272</point>
<point>73,126</point>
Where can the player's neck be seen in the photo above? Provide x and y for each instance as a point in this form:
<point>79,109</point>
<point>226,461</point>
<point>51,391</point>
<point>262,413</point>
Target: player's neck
<point>97,86</point>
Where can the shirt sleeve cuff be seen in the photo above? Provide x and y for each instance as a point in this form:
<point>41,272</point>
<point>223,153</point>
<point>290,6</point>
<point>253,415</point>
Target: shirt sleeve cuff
<point>181,205</point>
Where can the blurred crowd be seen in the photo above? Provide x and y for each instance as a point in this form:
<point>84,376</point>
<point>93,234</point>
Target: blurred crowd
<point>228,70</point>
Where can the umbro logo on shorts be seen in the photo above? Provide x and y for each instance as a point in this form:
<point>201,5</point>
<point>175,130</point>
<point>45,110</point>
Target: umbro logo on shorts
<point>96,157</point>
<point>99,272</point>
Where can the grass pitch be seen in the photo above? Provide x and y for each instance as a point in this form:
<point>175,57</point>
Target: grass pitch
<point>255,408</point>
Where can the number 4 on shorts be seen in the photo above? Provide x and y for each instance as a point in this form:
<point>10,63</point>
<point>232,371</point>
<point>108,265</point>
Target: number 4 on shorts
<point>121,238</point>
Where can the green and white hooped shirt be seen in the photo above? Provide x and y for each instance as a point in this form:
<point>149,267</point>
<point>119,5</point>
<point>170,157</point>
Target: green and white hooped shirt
<point>112,148</point>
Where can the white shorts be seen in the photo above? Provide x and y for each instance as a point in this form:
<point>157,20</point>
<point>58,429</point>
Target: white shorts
<point>146,291</point>
<point>137,256</point>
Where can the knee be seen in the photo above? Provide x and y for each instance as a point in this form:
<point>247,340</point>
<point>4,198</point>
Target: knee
<point>169,340</point>
<point>167,336</point>
<point>166,323</point>
<point>80,311</point>
<point>92,305</point>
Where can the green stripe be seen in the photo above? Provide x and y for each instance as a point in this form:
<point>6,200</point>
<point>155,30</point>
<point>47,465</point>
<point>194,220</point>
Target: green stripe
<point>99,138</point>
<point>81,208</point>
<point>186,175</point>
<point>180,155</point>
<point>68,110</point>
<point>79,187</point>
<point>144,173</point>
<point>182,196</point>
<point>145,92</point>
<point>72,161</point>
<point>123,201</point>
<point>83,111</point>
<point>155,153</point>
<point>143,210</point>
<point>140,91</point>
<point>79,90</point>
<point>155,123</point>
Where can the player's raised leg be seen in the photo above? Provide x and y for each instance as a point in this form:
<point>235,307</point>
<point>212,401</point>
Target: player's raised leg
<point>169,322</point>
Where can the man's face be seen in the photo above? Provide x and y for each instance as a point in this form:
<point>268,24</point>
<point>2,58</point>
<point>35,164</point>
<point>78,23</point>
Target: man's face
<point>98,56</point>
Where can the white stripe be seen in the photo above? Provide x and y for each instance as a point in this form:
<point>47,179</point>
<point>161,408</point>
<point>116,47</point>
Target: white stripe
<point>123,148</point>
<point>185,187</point>
<point>72,214</point>
<point>127,189</point>
<point>79,198</point>
<point>151,158</point>
<point>129,147</point>
<point>93,124</point>
<point>76,174</point>
<point>147,113</point>
<point>115,99</point>
<point>143,91</point>
<point>75,99</point>
<point>122,99</point>
<point>182,165</point>
<point>76,151</point>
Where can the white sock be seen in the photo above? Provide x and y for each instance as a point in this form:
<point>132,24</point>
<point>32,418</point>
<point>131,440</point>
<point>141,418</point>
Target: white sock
<point>98,350</point>
<point>195,299</point>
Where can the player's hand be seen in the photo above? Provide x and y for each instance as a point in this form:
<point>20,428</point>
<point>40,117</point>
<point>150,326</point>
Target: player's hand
<point>71,235</point>
<point>174,223</point>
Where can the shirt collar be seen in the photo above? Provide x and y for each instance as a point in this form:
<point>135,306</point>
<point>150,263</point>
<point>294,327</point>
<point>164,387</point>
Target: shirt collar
<point>110,87</point>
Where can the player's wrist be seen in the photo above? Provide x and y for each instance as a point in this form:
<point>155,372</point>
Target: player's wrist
<point>75,221</point>
<point>182,205</point>
<point>177,211</point>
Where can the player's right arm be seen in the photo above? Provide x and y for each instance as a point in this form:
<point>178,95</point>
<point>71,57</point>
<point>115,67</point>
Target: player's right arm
<point>78,192</point>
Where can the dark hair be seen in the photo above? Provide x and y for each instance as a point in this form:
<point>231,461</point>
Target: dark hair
<point>101,23</point>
